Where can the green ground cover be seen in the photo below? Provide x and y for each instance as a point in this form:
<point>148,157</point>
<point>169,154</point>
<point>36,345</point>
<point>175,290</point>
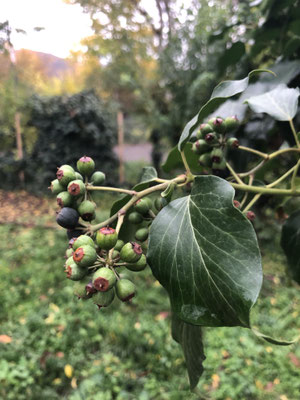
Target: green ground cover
<point>53,346</point>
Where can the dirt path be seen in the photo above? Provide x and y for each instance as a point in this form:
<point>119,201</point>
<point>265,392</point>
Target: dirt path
<point>23,208</point>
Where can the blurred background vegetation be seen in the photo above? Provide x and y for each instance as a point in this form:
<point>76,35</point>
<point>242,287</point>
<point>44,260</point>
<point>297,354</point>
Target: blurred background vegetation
<point>156,72</point>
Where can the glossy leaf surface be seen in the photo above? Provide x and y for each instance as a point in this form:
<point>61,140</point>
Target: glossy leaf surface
<point>204,252</point>
<point>190,338</point>
<point>221,92</point>
<point>174,159</point>
<point>280,103</point>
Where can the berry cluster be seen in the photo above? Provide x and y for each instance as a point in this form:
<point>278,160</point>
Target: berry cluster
<point>95,256</point>
<point>70,189</point>
<point>212,142</point>
<point>93,262</point>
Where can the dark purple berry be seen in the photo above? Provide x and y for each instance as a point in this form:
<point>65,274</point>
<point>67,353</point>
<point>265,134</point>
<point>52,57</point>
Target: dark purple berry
<point>67,218</point>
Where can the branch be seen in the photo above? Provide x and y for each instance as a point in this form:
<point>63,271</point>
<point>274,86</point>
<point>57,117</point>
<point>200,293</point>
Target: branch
<point>234,174</point>
<point>258,153</point>
<point>265,190</point>
<point>137,196</point>
<point>294,133</point>
<point>111,189</point>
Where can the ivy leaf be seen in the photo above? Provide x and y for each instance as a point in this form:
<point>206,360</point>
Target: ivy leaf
<point>149,174</point>
<point>168,192</point>
<point>190,338</point>
<point>290,242</point>
<point>272,340</point>
<point>204,252</point>
<point>221,92</point>
<point>174,159</point>
<point>280,103</point>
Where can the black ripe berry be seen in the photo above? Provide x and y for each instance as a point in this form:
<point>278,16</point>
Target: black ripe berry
<point>67,218</point>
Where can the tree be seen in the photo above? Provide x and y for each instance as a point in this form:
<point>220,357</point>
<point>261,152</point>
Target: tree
<point>68,126</point>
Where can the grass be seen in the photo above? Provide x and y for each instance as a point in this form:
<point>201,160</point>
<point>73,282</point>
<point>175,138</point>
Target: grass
<point>54,346</point>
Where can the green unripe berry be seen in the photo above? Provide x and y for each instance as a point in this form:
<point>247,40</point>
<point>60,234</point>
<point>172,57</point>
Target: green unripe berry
<point>149,201</point>
<point>205,160</point>
<point>67,166</point>
<point>219,166</point>
<point>131,252</point>
<point>76,188</point>
<point>83,240</point>
<point>103,299</point>
<point>231,123</point>
<point>56,187</point>
<point>86,210</point>
<point>119,245</point>
<point>97,178</point>
<point>84,290</point>
<point>79,291</point>
<point>144,247</point>
<point>115,254</point>
<point>216,155</point>
<point>78,176</point>
<point>86,165</point>
<point>211,138</point>
<point>85,255</point>
<point>232,143</point>
<point>106,238</point>
<point>140,265</point>
<point>141,206</point>
<point>69,252</point>
<point>64,199</point>
<point>204,130</point>
<point>74,271</point>
<point>200,146</point>
<point>69,261</point>
<point>104,279</point>
<point>199,135</point>
<point>65,174</point>
<point>142,234</point>
<point>160,202</point>
<point>135,217</point>
<point>217,124</point>
<point>125,289</point>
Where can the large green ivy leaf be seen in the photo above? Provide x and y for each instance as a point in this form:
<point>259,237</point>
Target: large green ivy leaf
<point>280,103</point>
<point>204,252</point>
<point>190,338</point>
<point>174,159</point>
<point>290,242</point>
<point>221,92</point>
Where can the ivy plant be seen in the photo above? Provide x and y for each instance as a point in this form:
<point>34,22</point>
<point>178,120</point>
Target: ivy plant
<point>195,230</point>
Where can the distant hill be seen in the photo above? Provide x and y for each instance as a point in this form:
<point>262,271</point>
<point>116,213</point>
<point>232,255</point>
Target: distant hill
<point>52,65</point>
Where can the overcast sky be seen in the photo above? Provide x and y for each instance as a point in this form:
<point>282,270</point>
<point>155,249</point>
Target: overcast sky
<point>65,25</point>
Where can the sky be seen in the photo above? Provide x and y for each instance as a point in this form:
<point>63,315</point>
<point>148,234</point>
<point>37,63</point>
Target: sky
<point>65,25</point>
